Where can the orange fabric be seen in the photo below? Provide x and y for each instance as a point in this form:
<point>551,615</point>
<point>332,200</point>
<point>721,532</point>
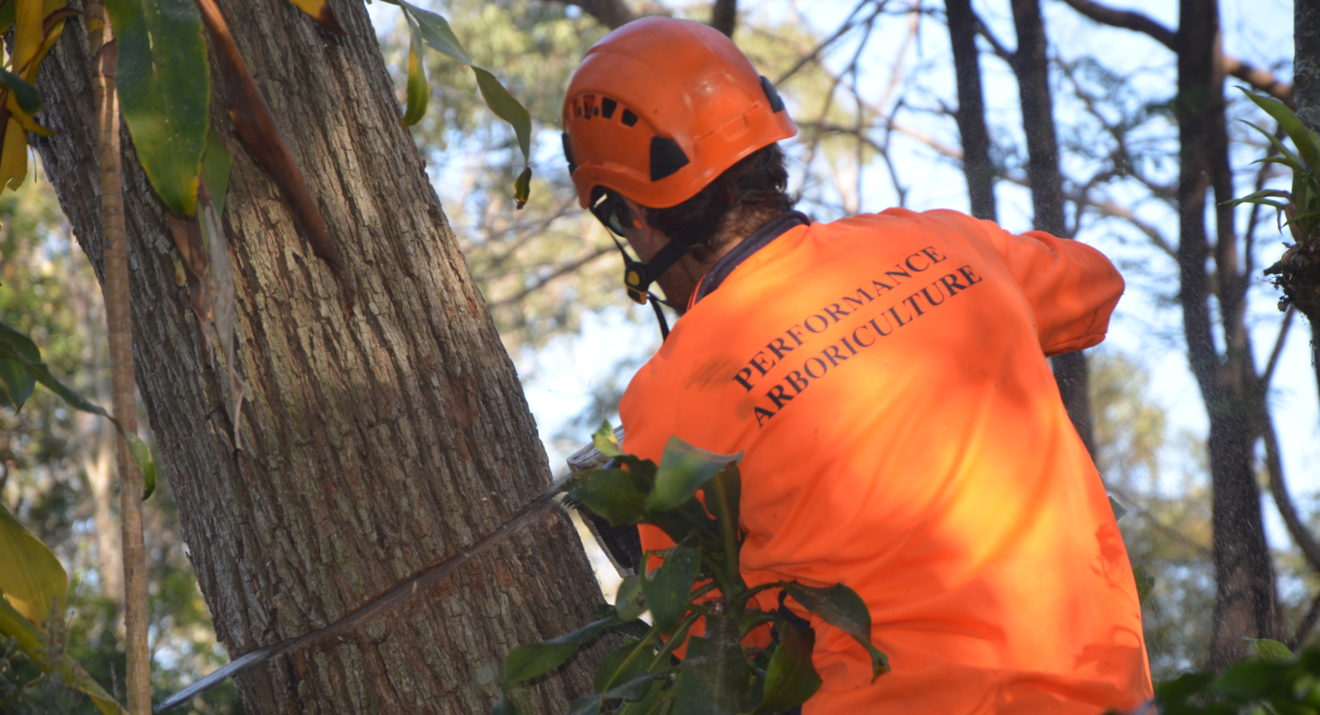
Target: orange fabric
<point>885,377</point>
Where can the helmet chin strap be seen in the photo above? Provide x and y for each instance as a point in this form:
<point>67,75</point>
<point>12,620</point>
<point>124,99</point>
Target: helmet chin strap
<point>638,277</point>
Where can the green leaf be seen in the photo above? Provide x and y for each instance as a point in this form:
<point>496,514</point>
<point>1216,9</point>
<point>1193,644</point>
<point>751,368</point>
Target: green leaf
<point>31,578</point>
<point>605,442</point>
<point>790,678</point>
<point>629,603</point>
<point>1271,651</point>
<point>27,95</point>
<point>145,458</point>
<point>507,108</point>
<point>216,163</point>
<point>536,659</point>
<point>610,493</point>
<point>415,89</point>
<point>164,89</point>
<point>1145,582</point>
<point>842,608</point>
<point>622,674</point>
<point>683,470</point>
<point>1306,141</point>
<point>715,678</point>
<point>16,383</point>
<point>668,589</point>
<point>435,31</point>
<point>522,187</point>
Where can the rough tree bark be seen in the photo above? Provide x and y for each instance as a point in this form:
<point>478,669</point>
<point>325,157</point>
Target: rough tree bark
<point>1306,81</point>
<point>1245,599</point>
<point>372,444</point>
<point>1046,183</point>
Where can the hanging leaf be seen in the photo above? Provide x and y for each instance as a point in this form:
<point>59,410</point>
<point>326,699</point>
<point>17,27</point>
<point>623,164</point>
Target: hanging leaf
<point>683,470</point>
<point>842,608</point>
<point>31,578</point>
<point>435,31</point>
<point>17,351</point>
<point>669,587</point>
<point>417,91</point>
<point>13,154</point>
<point>321,12</point>
<point>164,89</point>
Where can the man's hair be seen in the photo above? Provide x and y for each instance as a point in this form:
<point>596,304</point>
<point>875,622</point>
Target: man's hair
<point>739,201</point>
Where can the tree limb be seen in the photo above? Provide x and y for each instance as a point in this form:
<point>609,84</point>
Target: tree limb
<point>610,13</point>
<point>1259,78</point>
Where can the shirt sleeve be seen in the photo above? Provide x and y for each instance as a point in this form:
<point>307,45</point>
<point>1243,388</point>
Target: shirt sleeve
<point>1072,287</point>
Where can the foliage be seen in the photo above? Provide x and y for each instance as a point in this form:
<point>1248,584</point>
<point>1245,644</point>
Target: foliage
<point>1297,272</point>
<point>696,598</point>
<point>1275,683</point>
<point>33,593</point>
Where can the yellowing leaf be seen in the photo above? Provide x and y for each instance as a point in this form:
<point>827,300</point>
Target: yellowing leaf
<point>13,155</point>
<point>28,35</point>
<point>417,90</point>
<point>31,578</point>
<point>321,12</point>
<point>32,641</point>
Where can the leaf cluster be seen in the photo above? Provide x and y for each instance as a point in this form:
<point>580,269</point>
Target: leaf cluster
<point>1276,683</point>
<point>693,496</point>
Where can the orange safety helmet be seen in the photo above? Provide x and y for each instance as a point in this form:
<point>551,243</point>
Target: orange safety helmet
<point>661,107</point>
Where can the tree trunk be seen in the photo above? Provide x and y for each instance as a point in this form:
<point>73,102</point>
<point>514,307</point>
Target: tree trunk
<point>977,167</point>
<point>1306,85</point>
<point>372,444</point>
<point>1033,76</point>
<point>1245,600</point>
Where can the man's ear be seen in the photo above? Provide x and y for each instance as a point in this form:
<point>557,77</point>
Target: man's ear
<point>646,239</point>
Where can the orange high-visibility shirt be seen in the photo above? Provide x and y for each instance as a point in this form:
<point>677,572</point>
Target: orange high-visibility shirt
<point>885,378</point>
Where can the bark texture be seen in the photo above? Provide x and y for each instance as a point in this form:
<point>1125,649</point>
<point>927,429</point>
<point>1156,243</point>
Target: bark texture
<point>1306,80</point>
<point>371,445</point>
<point>1032,69</point>
<point>1245,600</point>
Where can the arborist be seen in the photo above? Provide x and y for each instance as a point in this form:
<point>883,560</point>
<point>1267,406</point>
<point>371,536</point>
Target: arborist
<point>885,378</point>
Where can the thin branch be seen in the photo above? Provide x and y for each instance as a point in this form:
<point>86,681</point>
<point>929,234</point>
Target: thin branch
<point>1308,622</point>
<point>119,321</point>
<point>563,270</point>
<point>1264,383</point>
<point>610,13</point>
<point>1301,535</point>
<point>814,55</point>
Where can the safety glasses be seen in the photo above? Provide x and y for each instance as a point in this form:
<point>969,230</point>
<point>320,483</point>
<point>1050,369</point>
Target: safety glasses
<point>610,209</point>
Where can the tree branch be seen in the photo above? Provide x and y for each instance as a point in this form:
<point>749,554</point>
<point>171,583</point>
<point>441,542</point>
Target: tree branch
<point>610,13</point>
<point>1259,78</point>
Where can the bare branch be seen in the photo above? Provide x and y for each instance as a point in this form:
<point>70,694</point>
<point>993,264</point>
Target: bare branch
<point>1301,535</point>
<point>1268,375</point>
<point>1259,78</point>
<point>610,13</point>
<point>1308,622</point>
